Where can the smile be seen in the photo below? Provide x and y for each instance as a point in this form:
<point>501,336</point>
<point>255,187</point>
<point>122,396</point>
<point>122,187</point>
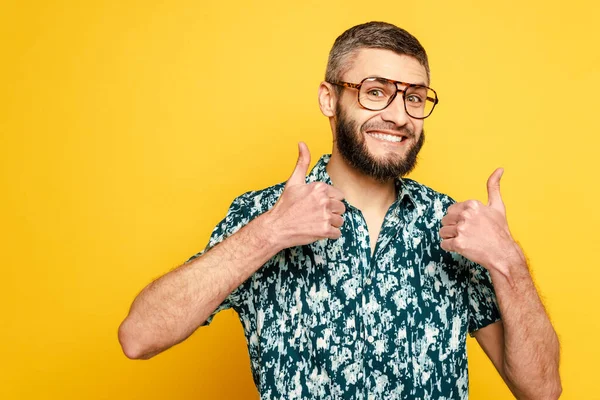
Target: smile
<point>387,138</point>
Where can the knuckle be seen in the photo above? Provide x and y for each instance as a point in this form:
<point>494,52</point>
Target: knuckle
<point>320,186</point>
<point>335,233</point>
<point>474,205</point>
<point>446,245</point>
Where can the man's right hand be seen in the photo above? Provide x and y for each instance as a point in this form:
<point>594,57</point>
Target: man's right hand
<point>304,212</point>
<point>171,308</point>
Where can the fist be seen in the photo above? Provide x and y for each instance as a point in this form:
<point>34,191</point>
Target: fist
<point>304,212</point>
<point>480,232</point>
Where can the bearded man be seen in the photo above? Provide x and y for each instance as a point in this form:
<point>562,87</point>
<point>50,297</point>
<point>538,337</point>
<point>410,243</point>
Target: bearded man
<point>353,282</point>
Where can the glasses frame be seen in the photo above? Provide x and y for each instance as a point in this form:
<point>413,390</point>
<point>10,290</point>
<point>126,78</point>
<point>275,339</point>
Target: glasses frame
<point>357,86</point>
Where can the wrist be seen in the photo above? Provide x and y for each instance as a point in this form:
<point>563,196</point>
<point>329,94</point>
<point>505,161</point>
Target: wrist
<point>265,226</point>
<point>512,260</point>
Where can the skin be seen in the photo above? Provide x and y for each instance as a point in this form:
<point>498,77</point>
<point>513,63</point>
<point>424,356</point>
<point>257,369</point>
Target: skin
<point>523,347</point>
<point>370,196</point>
<point>170,309</point>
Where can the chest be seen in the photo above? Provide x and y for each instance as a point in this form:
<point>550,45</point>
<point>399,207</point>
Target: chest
<point>332,307</point>
<point>374,222</point>
<point>389,270</point>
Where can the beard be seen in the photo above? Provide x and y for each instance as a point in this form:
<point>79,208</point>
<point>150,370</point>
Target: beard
<point>353,148</point>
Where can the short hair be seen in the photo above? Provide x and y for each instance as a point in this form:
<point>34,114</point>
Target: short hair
<point>374,35</point>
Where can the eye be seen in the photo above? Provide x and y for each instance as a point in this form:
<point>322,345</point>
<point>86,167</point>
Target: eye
<point>413,98</point>
<point>376,93</point>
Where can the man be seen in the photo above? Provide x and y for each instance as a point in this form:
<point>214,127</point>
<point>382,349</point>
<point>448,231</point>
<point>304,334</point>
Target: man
<point>353,283</point>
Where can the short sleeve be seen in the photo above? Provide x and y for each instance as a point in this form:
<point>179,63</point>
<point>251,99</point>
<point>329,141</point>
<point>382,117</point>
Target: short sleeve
<point>483,307</point>
<point>236,218</point>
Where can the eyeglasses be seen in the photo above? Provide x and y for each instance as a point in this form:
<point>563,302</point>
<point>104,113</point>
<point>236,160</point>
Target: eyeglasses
<point>376,93</point>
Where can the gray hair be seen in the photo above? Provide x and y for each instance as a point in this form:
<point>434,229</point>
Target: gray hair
<point>376,35</point>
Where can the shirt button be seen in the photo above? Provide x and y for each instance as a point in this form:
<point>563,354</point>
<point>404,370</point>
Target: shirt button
<point>370,339</point>
<point>368,281</point>
<point>358,289</point>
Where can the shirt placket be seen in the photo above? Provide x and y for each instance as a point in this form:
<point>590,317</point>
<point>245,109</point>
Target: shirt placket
<point>366,274</point>
<point>369,333</point>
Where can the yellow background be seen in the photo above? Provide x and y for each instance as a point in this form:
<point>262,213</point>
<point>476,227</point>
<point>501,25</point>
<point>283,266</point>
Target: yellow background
<point>128,127</point>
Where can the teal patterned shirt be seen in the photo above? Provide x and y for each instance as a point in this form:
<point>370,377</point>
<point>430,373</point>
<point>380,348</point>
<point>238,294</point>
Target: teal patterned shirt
<point>331,321</point>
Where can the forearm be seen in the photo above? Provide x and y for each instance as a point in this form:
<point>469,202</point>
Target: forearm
<point>171,308</point>
<point>531,350</point>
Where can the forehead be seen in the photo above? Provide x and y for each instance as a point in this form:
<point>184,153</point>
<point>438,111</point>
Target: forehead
<point>386,64</point>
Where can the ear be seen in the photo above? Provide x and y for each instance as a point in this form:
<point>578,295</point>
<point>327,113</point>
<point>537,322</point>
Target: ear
<point>327,99</point>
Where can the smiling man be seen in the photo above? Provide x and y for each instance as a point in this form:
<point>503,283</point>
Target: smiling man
<point>353,282</point>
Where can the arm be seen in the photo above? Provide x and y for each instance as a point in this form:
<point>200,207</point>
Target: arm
<point>171,308</point>
<point>524,347</point>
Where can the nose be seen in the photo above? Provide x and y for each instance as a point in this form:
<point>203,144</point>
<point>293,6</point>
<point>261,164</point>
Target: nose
<point>395,111</point>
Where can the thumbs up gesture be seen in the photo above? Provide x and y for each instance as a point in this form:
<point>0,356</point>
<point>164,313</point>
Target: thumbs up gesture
<point>304,212</point>
<point>480,232</point>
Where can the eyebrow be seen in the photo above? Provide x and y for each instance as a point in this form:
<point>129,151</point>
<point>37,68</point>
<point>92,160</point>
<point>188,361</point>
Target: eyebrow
<point>383,77</point>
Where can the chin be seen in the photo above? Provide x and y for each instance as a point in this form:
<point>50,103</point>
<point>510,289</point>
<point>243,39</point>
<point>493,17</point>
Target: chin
<point>386,155</point>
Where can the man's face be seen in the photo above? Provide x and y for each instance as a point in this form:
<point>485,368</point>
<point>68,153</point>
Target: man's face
<point>369,140</point>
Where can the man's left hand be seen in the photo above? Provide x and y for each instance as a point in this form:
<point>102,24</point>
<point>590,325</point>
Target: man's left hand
<point>480,232</point>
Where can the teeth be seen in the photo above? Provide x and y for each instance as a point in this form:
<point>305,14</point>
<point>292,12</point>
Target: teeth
<point>388,138</point>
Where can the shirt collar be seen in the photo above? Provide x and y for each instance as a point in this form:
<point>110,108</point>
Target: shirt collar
<point>405,187</point>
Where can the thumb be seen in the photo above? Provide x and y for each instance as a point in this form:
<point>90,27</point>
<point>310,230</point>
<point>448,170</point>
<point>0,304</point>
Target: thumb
<point>299,175</point>
<point>493,188</point>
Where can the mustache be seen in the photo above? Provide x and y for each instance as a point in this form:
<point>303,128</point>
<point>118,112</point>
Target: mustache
<point>388,126</point>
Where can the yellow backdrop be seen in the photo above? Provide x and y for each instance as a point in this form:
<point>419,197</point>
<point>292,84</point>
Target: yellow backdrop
<point>127,127</point>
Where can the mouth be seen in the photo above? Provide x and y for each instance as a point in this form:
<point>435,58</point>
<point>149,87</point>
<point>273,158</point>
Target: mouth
<point>387,136</point>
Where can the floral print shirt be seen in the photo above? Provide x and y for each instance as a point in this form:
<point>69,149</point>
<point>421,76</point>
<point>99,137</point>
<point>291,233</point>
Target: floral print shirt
<point>332,321</point>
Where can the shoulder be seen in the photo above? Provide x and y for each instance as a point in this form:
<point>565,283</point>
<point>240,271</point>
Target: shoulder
<point>256,202</point>
<point>243,209</point>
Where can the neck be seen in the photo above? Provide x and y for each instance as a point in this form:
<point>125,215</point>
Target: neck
<point>360,190</point>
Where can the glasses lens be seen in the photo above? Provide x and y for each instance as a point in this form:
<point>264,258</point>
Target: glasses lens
<point>419,101</point>
<point>376,94</point>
